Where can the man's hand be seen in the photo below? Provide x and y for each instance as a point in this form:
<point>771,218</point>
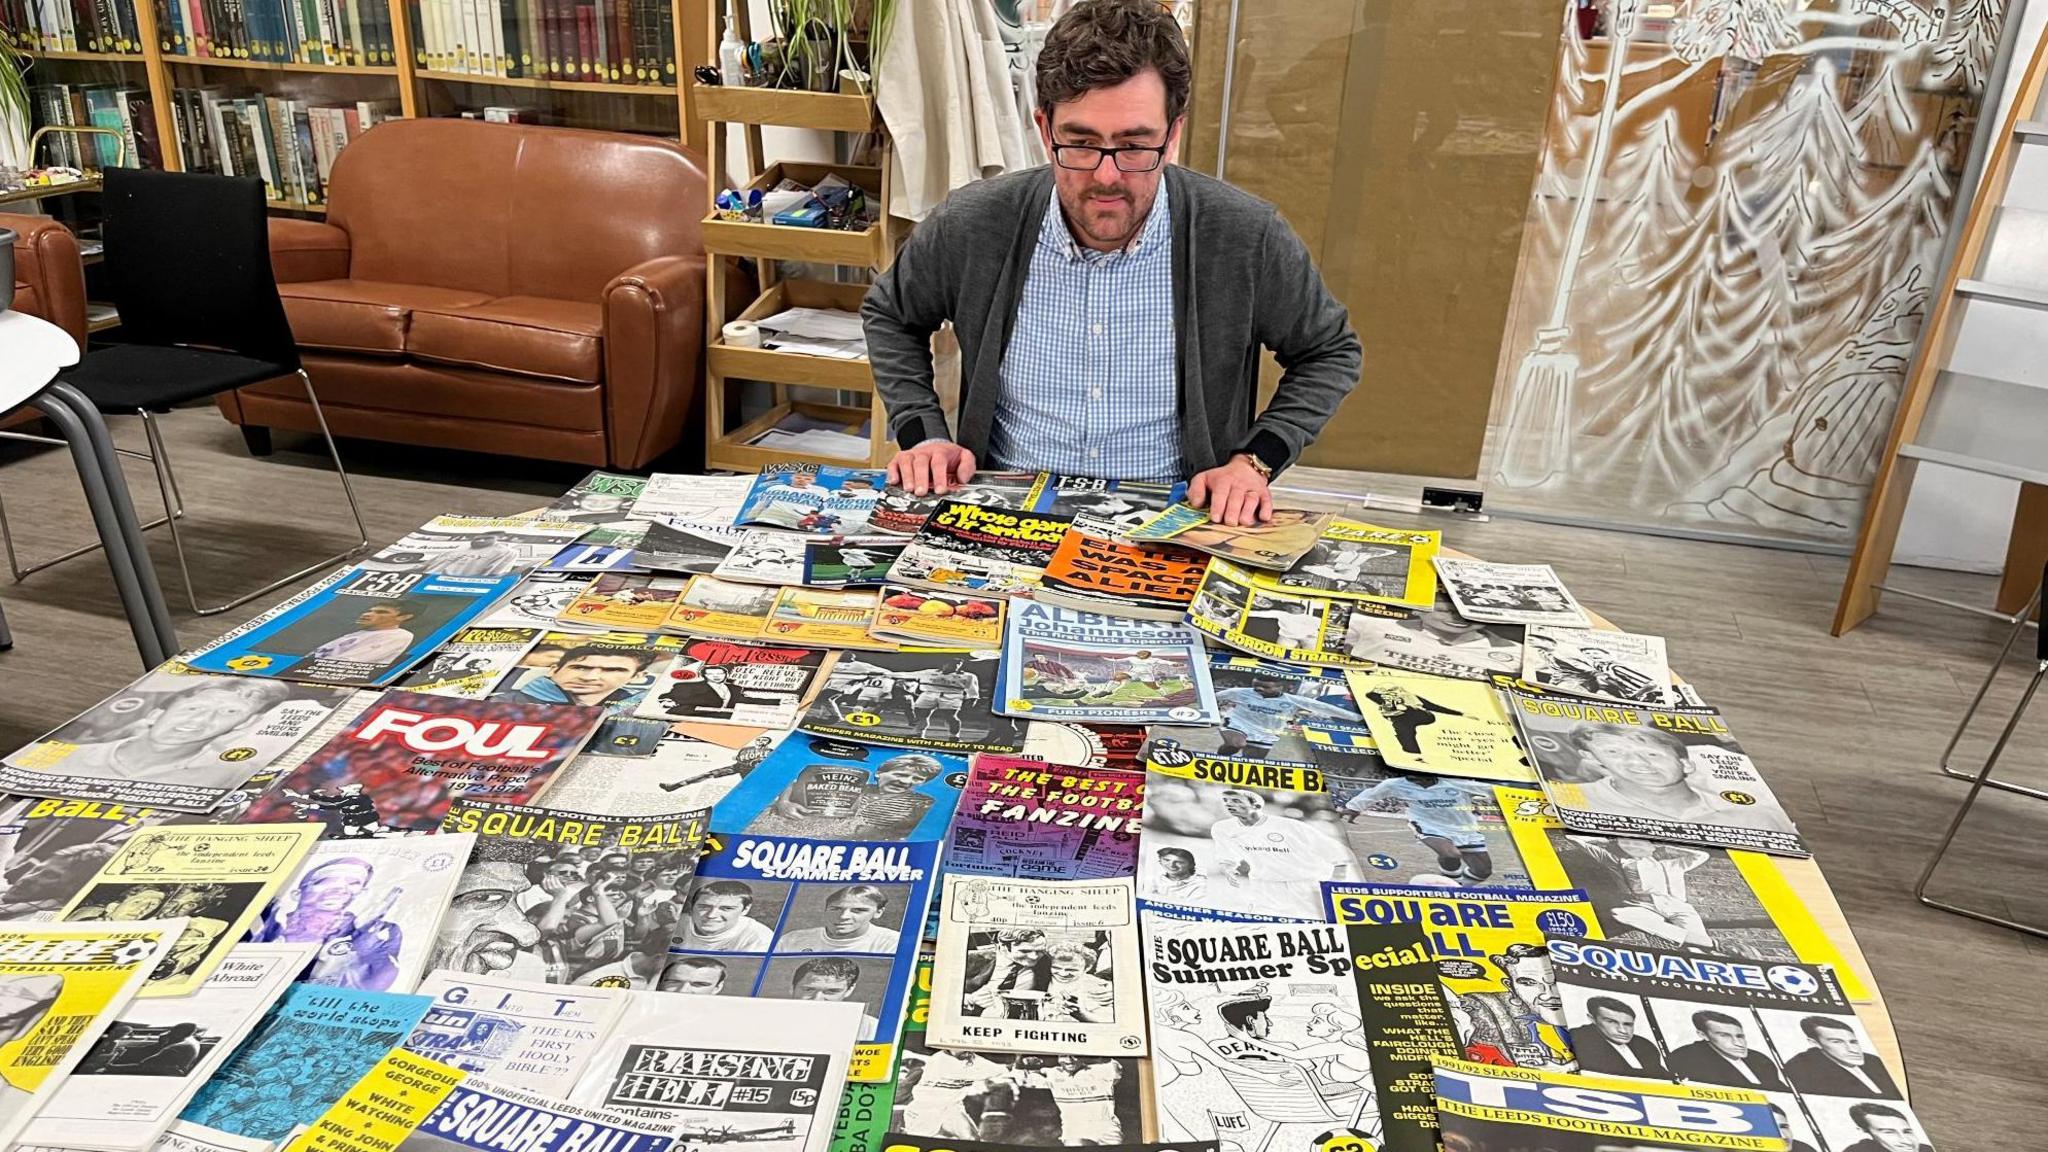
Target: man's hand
<point>1235,494</point>
<point>936,466</point>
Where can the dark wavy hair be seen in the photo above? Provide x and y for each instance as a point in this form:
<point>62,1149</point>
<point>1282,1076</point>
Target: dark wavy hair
<point>1102,43</point>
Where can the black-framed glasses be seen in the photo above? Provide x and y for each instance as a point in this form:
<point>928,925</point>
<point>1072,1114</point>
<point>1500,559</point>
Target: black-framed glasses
<point>1087,157</point>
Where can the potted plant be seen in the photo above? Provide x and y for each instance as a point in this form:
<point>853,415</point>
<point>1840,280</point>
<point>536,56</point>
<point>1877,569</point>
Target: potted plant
<point>13,107</point>
<point>819,37</point>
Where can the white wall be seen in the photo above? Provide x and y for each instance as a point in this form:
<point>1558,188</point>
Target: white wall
<point>1956,519</point>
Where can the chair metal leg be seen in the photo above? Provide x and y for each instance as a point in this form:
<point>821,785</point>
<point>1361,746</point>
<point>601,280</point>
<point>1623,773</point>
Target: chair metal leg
<point>2023,620</point>
<point>1979,781</point>
<point>6,634</point>
<point>21,571</point>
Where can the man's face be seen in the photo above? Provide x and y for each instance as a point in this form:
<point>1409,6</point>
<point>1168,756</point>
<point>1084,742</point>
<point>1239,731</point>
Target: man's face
<point>489,930</point>
<point>1618,1027</point>
<point>800,480</point>
<point>714,674</point>
<point>1029,950</point>
<point>713,913</point>
<point>1892,1133</point>
<point>692,980</point>
<point>1175,865</point>
<point>1531,981</point>
<point>820,986</point>
<point>1067,968</point>
<point>334,889</point>
<point>1244,806</point>
<point>1728,1039</point>
<point>1637,759</point>
<point>185,902</point>
<point>560,875</point>
<point>381,617</point>
<point>1635,847</point>
<point>895,777</point>
<point>197,717</point>
<point>592,676</point>
<point>602,502</point>
<point>140,904</point>
<point>1842,1045</point>
<point>1259,1026</point>
<point>1269,688</point>
<point>851,916</point>
<point>1105,205</point>
<point>1449,627</point>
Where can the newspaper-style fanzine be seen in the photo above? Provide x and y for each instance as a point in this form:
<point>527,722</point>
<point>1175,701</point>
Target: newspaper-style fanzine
<point>49,849</point>
<point>964,547</point>
<point>1273,711</point>
<point>515,1032</point>
<point>686,498</point>
<point>764,556</point>
<point>1038,966</point>
<point>1092,570</point>
<point>409,1103</point>
<point>1623,667</point>
<point>1302,626</point>
<point>217,879</point>
<point>566,897</point>
<point>1785,1029</point>
<point>829,789</point>
<point>65,985</point>
<point>919,616</point>
<point>1661,773</point>
<point>470,665</point>
<point>1435,640</point>
<point>685,549</point>
<point>1509,593</point>
<point>407,756</point>
<point>765,1073</point>
<point>1256,1036</point>
<point>1035,821</point>
<point>1660,895</point>
<point>476,545</point>
<point>131,1085</point>
<point>904,513</point>
<point>748,685</point>
<point>1424,829</point>
<point>917,698</point>
<point>371,907</point>
<point>1237,835</point>
<point>600,498</point>
<point>311,1047</point>
<point>813,498</point>
<point>358,628</point>
<point>174,739</point>
<point>1059,664</point>
<point>1489,949</point>
<point>1482,1106</point>
<point>1407,1024</point>
<point>1122,504</point>
<point>1274,546</point>
<point>685,773</point>
<point>1432,724</point>
<point>785,918</point>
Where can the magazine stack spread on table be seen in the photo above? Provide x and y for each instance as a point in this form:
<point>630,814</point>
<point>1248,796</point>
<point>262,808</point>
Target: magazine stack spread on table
<point>1042,814</point>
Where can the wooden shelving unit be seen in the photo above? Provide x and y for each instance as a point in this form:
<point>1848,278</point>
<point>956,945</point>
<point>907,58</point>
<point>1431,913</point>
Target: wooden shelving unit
<point>717,106</point>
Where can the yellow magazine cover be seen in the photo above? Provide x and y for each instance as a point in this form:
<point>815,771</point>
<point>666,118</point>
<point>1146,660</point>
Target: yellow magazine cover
<point>217,877</point>
<point>61,985</point>
<point>624,601</point>
<point>724,608</point>
<point>1426,723</point>
<point>825,617</point>
<point>1481,1107</point>
<point>1353,560</point>
<point>1489,949</point>
<point>1299,627</point>
<point>1666,895</point>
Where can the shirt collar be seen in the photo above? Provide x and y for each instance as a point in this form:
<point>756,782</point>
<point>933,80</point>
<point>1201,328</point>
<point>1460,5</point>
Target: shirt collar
<point>1056,235</point>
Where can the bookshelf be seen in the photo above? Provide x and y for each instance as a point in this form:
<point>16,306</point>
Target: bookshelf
<point>718,106</point>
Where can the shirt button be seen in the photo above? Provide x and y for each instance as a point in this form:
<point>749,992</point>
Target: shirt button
<point>1097,329</point>
<point>1092,453</point>
<point>1095,393</point>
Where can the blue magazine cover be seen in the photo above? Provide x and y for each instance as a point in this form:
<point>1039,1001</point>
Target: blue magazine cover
<point>311,1048</point>
<point>359,628</point>
<point>1063,664</point>
<point>829,789</point>
<point>786,918</point>
<point>812,498</point>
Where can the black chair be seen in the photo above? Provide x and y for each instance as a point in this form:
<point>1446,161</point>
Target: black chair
<point>188,267</point>
<point>1982,779</point>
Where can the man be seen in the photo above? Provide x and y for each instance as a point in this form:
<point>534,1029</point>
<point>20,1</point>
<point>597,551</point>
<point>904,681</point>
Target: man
<point>941,693</point>
<point>1017,962</point>
<point>1110,306</point>
<point>484,932</point>
<point>942,1083</point>
<point>593,674</point>
<point>1525,1019</point>
<point>1610,1044</point>
<point>1273,865</point>
<point>1075,993</point>
<point>1650,895</point>
<point>1084,1090</point>
<point>1444,815</point>
<point>488,554</point>
<point>1646,773</point>
<point>1794,1143</point>
<point>1287,623</point>
<point>1178,881</point>
<point>1255,718</point>
<point>1721,1056</point>
<point>175,740</point>
<point>718,920</point>
<point>1837,1064</point>
<point>1435,641</point>
<point>711,693</point>
<point>1889,1130</point>
<point>380,638</point>
<point>831,978</point>
<point>850,915</point>
<point>1408,714</point>
<point>694,976</point>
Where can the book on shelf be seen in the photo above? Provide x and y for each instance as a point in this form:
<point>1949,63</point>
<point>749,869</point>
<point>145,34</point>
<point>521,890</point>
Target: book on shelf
<point>355,33</point>
<point>291,143</point>
<point>589,41</point>
<point>70,25</point>
<point>123,109</point>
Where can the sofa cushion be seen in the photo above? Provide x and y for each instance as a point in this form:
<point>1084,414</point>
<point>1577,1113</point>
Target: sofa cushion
<point>367,316</point>
<point>524,335</point>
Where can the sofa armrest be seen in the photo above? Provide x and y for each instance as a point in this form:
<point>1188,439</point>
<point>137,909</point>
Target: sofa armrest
<point>49,277</point>
<point>307,250</point>
<point>653,353</point>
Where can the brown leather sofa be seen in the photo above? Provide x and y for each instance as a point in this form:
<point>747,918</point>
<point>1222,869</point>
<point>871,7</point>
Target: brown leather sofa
<point>498,288</point>
<point>49,280</point>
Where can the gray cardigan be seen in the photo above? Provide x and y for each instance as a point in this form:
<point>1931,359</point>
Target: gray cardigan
<point>1241,279</point>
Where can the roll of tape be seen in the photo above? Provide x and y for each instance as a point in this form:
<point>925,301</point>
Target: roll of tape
<point>742,334</point>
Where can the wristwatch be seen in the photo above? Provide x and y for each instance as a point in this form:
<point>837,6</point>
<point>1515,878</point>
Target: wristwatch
<point>1266,451</point>
<point>1264,469</point>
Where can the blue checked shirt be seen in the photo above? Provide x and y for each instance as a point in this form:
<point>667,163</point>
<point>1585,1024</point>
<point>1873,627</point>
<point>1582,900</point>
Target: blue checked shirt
<point>1090,382</point>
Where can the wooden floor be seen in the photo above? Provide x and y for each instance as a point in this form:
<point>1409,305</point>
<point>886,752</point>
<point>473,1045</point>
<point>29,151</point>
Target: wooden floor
<point>1848,730</point>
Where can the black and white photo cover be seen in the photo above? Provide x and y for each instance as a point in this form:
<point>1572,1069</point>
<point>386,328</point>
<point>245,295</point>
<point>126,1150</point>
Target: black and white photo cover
<point>1623,667</point>
<point>915,699</point>
<point>1435,640</point>
<point>1509,593</point>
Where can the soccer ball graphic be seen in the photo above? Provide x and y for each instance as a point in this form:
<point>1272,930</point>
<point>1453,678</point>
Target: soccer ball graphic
<point>1795,981</point>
